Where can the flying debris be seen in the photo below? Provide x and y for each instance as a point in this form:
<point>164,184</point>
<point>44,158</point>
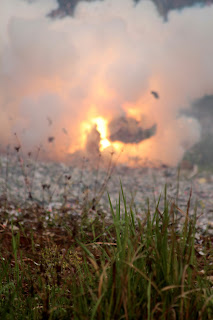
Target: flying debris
<point>64,131</point>
<point>51,139</point>
<point>129,130</point>
<point>17,148</point>
<point>155,94</point>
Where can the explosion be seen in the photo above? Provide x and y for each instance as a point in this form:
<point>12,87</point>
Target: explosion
<point>113,77</point>
<point>101,126</point>
<point>102,129</point>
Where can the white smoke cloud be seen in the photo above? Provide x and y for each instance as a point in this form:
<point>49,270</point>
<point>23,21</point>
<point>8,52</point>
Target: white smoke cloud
<point>103,61</point>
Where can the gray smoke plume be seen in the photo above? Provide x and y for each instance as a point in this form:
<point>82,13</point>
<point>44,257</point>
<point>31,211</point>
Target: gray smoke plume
<point>129,130</point>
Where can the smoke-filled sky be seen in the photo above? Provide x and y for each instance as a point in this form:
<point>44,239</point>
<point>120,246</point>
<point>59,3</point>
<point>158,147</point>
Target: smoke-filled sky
<point>58,76</point>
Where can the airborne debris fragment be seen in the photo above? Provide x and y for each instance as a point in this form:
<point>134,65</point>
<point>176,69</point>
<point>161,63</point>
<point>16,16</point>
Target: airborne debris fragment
<point>51,139</point>
<point>64,131</point>
<point>17,148</point>
<point>155,94</point>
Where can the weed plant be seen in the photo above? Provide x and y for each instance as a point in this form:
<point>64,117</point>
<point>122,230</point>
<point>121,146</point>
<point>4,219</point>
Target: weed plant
<point>126,269</point>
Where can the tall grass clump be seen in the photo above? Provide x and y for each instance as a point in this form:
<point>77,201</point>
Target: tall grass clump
<point>132,268</point>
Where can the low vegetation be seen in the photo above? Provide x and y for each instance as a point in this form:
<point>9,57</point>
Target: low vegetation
<point>88,268</point>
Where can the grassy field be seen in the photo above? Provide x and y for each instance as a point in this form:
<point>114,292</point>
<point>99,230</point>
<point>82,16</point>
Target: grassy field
<point>93,269</point>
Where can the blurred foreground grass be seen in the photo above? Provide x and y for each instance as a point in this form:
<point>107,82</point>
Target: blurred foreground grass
<point>93,269</point>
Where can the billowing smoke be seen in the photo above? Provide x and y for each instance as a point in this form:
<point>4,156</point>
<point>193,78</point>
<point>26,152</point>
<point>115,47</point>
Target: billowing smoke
<point>109,60</point>
<point>129,130</point>
<point>93,143</point>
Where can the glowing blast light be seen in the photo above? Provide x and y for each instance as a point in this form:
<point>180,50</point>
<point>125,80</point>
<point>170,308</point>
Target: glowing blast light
<point>101,124</point>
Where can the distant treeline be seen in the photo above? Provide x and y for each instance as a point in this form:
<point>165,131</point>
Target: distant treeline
<point>66,7</point>
<point>164,6</point>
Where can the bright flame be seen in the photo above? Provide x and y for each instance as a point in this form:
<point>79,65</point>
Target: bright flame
<point>101,124</point>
